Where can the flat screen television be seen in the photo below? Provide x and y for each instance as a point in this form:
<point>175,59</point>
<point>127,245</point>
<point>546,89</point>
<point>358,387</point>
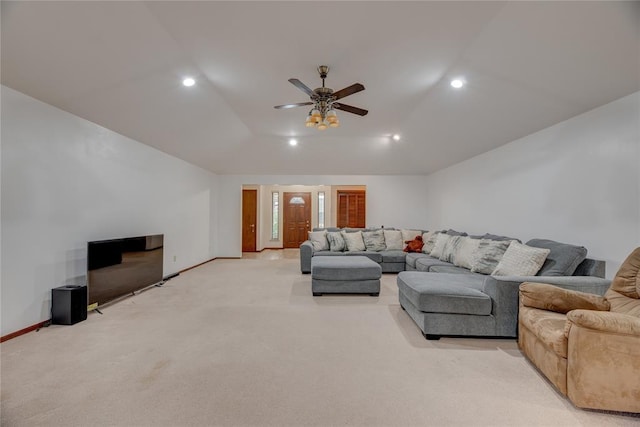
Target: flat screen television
<point>118,267</point>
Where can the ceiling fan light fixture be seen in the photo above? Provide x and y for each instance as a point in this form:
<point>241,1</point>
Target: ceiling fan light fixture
<point>315,115</point>
<point>331,117</point>
<point>322,114</point>
<point>310,122</point>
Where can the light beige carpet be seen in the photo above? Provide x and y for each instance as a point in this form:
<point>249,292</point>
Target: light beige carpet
<point>243,342</point>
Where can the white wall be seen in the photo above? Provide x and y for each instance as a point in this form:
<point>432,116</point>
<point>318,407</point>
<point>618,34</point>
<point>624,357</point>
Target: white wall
<point>66,181</point>
<point>392,201</point>
<point>576,182</point>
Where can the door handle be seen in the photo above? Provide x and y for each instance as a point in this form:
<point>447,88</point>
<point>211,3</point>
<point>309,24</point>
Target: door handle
<point>253,228</point>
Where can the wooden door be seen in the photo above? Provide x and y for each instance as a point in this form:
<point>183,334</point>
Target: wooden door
<point>249,219</point>
<point>296,219</point>
<point>351,208</point>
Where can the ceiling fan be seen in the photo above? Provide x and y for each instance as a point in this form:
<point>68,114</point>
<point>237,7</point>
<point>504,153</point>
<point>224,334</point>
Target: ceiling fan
<point>323,114</point>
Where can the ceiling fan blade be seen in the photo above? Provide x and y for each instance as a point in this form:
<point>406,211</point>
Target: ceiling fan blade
<point>297,83</point>
<point>299,104</point>
<point>350,90</point>
<point>350,109</point>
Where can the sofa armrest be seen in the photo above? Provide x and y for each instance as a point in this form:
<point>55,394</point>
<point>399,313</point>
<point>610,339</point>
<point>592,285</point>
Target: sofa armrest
<point>306,253</point>
<point>588,284</point>
<point>553,298</point>
<point>605,321</point>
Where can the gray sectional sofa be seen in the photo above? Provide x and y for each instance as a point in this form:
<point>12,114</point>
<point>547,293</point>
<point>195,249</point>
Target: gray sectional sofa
<point>391,261</point>
<point>446,297</point>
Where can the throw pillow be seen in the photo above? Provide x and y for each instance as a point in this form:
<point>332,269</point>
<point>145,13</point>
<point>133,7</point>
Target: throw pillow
<point>374,240</point>
<point>425,236</point>
<point>438,248</point>
<point>488,255</point>
<point>336,242</point>
<point>429,242</point>
<point>563,258</point>
<point>393,240</point>
<point>410,234</point>
<point>520,260</point>
<point>450,249</point>
<point>353,241</point>
<point>319,240</point>
<point>467,249</point>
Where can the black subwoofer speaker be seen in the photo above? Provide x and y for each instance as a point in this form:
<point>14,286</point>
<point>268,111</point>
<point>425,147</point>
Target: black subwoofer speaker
<point>68,305</point>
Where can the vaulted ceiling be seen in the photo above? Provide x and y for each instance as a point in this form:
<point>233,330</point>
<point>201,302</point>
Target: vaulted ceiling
<point>528,65</point>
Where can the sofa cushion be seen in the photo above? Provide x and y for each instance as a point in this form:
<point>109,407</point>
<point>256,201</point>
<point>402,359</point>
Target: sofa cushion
<point>488,255</point>
<point>445,293</point>
<point>393,240</point>
<point>393,256</point>
<point>374,240</point>
<point>622,303</point>
<point>548,326</point>
<point>425,263</point>
<point>521,260</point>
<point>412,257</point>
<point>373,256</point>
<point>353,240</point>
<point>563,258</point>
<point>336,241</point>
<point>319,240</point>
<point>449,269</point>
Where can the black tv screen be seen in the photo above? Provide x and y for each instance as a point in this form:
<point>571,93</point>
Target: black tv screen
<point>118,267</point>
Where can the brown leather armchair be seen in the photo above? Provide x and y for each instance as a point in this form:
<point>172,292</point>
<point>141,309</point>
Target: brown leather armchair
<point>588,346</point>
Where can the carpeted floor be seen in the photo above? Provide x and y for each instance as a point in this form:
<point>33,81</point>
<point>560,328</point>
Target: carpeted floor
<point>243,342</point>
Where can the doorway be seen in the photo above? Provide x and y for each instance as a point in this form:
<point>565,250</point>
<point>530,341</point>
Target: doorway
<point>296,219</point>
<point>351,208</point>
<point>249,219</point>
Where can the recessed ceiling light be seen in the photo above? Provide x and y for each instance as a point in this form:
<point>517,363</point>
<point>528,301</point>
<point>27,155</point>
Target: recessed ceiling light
<point>396,137</point>
<point>188,81</point>
<point>293,142</point>
<point>457,83</point>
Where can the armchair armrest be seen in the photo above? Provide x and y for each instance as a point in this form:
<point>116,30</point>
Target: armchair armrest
<point>588,284</point>
<point>553,298</point>
<point>617,323</point>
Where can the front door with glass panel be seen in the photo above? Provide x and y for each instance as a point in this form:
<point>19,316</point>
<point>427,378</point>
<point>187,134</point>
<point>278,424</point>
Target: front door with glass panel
<point>296,219</point>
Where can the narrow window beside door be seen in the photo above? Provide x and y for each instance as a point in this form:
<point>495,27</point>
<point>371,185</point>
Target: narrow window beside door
<point>275,219</point>
<point>321,209</point>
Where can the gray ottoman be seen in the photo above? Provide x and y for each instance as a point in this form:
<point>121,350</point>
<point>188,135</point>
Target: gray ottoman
<point>345,275</point>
